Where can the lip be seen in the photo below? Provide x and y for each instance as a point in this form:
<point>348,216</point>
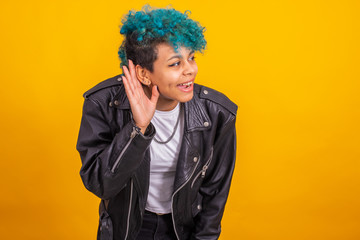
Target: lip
<point>188,88</point>
<point>192,80</point>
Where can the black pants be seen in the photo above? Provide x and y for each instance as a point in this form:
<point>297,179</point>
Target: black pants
<point>156,227</point>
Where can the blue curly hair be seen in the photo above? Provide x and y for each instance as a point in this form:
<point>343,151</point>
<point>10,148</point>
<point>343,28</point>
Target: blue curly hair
<point>144,30</point>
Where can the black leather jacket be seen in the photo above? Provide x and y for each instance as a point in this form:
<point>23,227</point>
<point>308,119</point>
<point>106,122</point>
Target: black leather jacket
<point>116,162</point>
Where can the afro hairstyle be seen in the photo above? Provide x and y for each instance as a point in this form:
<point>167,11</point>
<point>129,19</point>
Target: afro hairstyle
<point>144,30</point>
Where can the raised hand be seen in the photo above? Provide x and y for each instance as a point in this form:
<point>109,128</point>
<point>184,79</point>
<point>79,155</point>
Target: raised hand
<point>142,107</point>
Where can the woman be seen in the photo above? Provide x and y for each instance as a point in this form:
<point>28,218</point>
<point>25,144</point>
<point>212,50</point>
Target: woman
<point>158,149</point>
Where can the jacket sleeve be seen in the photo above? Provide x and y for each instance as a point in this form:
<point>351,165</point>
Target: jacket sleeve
<point>216,185</point>
<point>108,160</point>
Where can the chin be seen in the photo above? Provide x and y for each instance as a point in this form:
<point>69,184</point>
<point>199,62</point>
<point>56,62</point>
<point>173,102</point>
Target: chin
<point>186,98</point>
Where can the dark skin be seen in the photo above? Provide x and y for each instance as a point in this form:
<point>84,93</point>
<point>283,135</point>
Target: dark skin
<point>170,82</point>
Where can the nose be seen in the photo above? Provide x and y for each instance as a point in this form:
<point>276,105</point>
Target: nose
<point>190,68</point>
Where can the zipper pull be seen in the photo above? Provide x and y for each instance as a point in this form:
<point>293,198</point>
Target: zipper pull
<point>134,132</point>
<point>203,171</point>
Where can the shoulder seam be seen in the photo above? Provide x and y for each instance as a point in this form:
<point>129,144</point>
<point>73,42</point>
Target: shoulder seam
<point>218,97</point>
<point>104,84</point>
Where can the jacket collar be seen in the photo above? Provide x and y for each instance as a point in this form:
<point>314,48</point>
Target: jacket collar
<point>196,117</point>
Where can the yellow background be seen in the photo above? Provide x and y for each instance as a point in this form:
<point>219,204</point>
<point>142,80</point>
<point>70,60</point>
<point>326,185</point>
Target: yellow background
<point>291,66</point>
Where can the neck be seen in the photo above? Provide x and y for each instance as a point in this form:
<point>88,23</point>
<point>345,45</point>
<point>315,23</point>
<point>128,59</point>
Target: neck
<point>163,103</point>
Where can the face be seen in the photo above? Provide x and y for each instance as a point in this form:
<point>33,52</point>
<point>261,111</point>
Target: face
<point>174,73</point>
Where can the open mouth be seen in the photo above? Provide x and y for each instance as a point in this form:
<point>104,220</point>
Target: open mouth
<point>186,86</point>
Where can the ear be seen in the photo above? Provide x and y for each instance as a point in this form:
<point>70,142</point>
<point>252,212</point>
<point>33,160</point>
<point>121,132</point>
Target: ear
<point>143,75</point>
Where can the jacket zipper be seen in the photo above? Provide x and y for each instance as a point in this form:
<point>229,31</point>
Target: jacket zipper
<point>204,168</point>
<point>129,211</point>
<point>134,132</point>
<point>172,197</point>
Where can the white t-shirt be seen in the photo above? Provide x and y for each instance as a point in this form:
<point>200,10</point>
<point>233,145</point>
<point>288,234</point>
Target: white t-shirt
<point>164,159</point>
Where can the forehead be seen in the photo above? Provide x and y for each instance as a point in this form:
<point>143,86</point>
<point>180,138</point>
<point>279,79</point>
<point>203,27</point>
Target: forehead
<point>166,51</point>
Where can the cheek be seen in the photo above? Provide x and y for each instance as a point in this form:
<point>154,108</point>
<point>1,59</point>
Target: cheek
<point>196,68</point>
<point>166,82</point>
<point>173,78</point>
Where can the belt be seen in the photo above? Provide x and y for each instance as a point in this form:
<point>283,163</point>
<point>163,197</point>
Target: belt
<point>159,214</point>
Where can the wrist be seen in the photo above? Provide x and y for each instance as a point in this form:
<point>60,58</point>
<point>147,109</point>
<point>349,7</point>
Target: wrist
<point>142,128</point>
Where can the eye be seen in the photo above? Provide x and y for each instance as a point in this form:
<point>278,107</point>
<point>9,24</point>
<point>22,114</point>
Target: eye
<point>175,64</point>
<point>192,58</point>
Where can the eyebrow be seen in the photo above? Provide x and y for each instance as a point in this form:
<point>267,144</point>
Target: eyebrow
<point>179,56</point>
<point>175,56</point>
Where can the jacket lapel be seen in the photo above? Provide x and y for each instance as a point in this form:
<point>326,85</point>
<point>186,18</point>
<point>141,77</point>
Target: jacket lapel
<point>196,121</point>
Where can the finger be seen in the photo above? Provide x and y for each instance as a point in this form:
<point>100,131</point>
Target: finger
<point>132,69</point>
<point>133,74</point>
<point>154,94</point>
<point>134,81</point>
<point>128,91</point>
<point>129,79</point>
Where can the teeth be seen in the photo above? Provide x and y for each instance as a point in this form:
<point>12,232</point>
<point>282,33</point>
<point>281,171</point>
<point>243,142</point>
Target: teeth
<point>186,84</point>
